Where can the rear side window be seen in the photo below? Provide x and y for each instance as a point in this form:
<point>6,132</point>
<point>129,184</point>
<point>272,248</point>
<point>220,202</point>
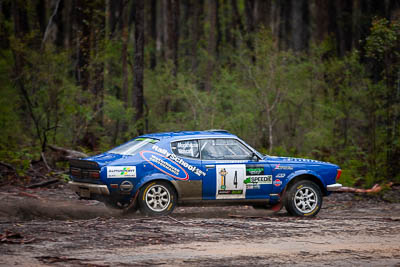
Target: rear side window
<point>134,146</point>
<point>224,149</point>
<point>187,148</point>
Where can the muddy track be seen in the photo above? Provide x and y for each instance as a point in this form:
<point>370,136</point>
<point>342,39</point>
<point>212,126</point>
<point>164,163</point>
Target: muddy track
<point>54,228</point>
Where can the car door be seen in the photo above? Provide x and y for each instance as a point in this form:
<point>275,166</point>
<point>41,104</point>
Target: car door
<point>231,171</point>
<point>188,157</point>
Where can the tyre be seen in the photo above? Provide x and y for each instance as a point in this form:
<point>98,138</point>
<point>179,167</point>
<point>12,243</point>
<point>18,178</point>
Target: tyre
<point>304,199</point>
<point>157,198</point>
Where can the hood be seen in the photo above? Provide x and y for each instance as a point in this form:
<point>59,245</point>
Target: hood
<point>295,160</point>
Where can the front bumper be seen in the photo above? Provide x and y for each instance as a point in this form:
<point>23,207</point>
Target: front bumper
<point>333,187</point>
<point>92,188</point>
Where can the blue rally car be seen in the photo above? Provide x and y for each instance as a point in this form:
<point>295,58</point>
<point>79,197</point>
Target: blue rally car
<point>155,172</point>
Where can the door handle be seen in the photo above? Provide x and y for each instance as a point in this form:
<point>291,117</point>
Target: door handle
<point>210,166</point>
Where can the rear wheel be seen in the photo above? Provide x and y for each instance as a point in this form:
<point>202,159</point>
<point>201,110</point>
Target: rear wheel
<point>304,199</point>
<point>157,198</point>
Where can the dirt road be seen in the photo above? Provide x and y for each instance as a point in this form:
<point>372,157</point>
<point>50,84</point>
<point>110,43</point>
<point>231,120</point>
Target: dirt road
<point>53,228</point>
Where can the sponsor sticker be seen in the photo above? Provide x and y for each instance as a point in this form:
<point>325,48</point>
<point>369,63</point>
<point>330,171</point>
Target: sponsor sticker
<point>253,186</point>
<point>280,175</point>
<point>165,165</point>
<point>255,177</point>
<point>283,167</point>
<point>254,170</point>
<point>277,182</point>
<point>121,172</point>
<point>175,159</point>
<point>262,179</point>
<point>230,192</point>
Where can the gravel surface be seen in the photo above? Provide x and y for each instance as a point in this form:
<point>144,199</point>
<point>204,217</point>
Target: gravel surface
<point>51,227</point>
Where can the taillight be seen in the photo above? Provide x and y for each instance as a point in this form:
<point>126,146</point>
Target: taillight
<point>339,172</point>
<point>75,172</point>
<point>95,175</point>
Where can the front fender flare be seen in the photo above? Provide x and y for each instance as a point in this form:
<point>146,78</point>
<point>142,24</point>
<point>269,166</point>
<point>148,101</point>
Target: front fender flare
<point>298,173</point>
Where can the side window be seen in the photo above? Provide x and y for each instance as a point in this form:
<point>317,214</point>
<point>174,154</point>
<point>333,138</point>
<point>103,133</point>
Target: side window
<point>188,149</point>
<point>224,149</point>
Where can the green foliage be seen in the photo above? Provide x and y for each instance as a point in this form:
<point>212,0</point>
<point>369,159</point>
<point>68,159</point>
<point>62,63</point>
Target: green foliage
<point>310,104</point>
<point>383,39</point>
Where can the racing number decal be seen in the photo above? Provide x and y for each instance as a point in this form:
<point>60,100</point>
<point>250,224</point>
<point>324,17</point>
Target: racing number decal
<point>230,181</point>
<point>223,173</point>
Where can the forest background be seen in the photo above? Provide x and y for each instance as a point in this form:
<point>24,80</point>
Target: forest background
<point>317,79</point>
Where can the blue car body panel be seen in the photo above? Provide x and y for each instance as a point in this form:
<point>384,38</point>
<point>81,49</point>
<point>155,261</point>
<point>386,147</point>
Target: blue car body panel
<point>263,177</point>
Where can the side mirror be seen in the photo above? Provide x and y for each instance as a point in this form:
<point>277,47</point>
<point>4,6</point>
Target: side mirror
<point>254,157</point>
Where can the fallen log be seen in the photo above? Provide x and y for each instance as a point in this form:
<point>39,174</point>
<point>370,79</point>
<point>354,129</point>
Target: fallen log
<point>45,183</point>
<point>26,194</point>
<point>45,161</point>
<point>8,166</point>
<point>64,154</point>
<point>375,189</point>
<point>14,238</point>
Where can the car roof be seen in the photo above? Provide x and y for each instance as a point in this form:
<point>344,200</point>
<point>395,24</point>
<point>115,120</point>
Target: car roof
<point>190,134</point>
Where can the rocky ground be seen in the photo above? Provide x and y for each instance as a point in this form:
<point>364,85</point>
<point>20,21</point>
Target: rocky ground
<point>52,227</point>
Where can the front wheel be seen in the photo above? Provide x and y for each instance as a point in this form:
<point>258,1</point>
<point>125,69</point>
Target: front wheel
<point>303,198</point>
<point>157,198</point>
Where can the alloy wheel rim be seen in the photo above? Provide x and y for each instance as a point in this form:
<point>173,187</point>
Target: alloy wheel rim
<point>158,198</point>
<point>305,199</point>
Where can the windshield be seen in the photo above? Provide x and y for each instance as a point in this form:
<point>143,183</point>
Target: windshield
<point>134,146</point>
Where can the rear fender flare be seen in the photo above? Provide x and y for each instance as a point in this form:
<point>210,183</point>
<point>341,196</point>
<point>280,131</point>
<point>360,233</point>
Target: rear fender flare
<point>155,177</point>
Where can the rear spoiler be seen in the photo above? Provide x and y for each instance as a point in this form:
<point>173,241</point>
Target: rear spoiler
<point>84,164</point>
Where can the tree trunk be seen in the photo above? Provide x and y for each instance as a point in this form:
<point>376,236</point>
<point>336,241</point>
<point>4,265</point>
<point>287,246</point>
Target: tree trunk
<point>211,47</point>
<point>124,60</point>
<point>5,15</point>
<point>153,33</point>
<point>138,65</point>
<point>98,33</point>
<point>41,15</point>
<point>249,11</point>
<point>115,16</point>
<point>171,32</point>
<point>344,26</point>
<point>284,27</point>
<point>262,13</point>
<point>197,31</point>
<point>171,40</point>
<point>83,19</point>
<point>324,20</point>
<point>300,25</point>
<point>69,21</point>
<point>21,29</point>
<point>237,18</point>
<point>227,14</point>
<point>218,29</point>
